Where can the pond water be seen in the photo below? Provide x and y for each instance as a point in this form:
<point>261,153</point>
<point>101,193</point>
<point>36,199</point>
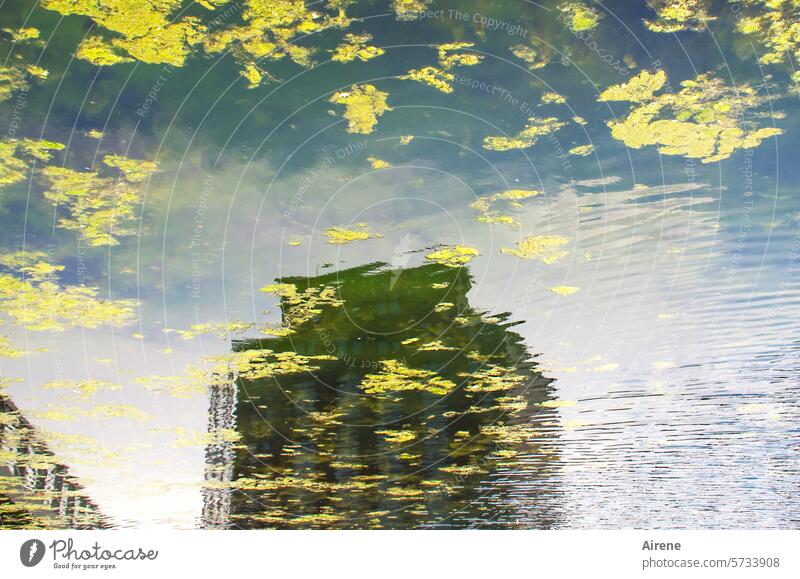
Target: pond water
<point>479,264</point>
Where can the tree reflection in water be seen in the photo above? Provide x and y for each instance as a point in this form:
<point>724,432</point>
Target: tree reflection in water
<point>414,398</point>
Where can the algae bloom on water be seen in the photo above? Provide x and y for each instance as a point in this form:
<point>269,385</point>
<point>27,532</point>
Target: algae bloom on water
<point>342,235</point>
<point>453,256</point>
<point>547,248</point>
<point>363,105</point>
<point>706,119</point>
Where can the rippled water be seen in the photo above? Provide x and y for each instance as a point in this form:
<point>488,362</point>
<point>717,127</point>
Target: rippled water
<point>639,370</point>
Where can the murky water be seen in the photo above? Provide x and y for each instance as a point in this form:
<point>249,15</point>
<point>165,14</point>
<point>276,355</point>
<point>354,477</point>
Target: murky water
<point>550,282</point>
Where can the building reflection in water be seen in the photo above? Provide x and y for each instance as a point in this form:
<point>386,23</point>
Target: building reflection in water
<point>384,401</point>
<point>37,492</point>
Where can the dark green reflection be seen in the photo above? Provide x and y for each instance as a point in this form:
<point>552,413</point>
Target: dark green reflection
<point>415,399</point>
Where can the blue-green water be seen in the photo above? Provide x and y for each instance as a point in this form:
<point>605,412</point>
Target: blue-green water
<point>643,373</point>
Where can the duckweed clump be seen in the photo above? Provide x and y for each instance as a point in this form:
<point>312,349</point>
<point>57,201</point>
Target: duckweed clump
<point>30,296</point>
<point>363,105</point>
<point>579,17</point>
<point>101,208</point>
<point>453,256</point>
<point>776,25</point>
<point>535,127</point>
<point>543,247</point>
<point>342,235</point>
<point>703,120</point>
<point>354,46</point>
<point>432,76</point>
<point>397,377</point>
<point>677,15</point>
<point>490,206</point>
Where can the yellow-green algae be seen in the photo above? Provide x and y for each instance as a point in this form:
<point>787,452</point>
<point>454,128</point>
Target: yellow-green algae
<point>13,79</point>
<point>144,29</point>
<point>82,388</point>
<point>527,137</point>
<point>100,207</point>
<point>363,105</point>
<point>14,157</point>
<point>409,9</point>
<point>579,17</point>
<point>450,57</point>
<point>582,150</point>
<point>39,303</point>
<point>378,163</point>
<point>354,46</point>
<point>677,15</point>
<point>549,98</point>
<point>453,256</point>
<point>95,50</point>
<point>218,329</point>
<point>397,436</point>
<point>269,32</point>
<point>157,32</point>
<point>703,120</point>
<point>776,25</point>
<point>343,235</point>
<point>534,57</point>
<point>301,307</point>
<point>432,76</point>
<point>397,377</point>
<point>543,247</point>
<point>489,206</point>
<point>22,34</point>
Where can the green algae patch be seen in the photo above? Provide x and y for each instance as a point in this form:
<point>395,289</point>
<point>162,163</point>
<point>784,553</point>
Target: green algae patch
<point>579,17</point>
<point>15,157</point>
<point>218,329</point>
<point>98,52</point>
<point>83,389</point>
<point>25,34</point>
<point>535,127</point>
<point>142,29</point>
<point>774,24</point>
<point>703,120</point>
<point>534,57</point>
<point>582,150</point>
<point>449,55</point>
<point>432,76</point>
<point>495,208</point>
<point>397,377</point>
<point>363,105</point>
<point>397,436</point>
<point>639,89</point>
<point>355,46</point>
<point>409,9</point>
<point>453,256</point>
<point>31,297</point>
<point>342,235</point>
<point>15,78</point>
<point>550,98</point>
<point>378,163</point>
<point>546,248</point>
<point>101,208</point>
<point>677,15</point>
